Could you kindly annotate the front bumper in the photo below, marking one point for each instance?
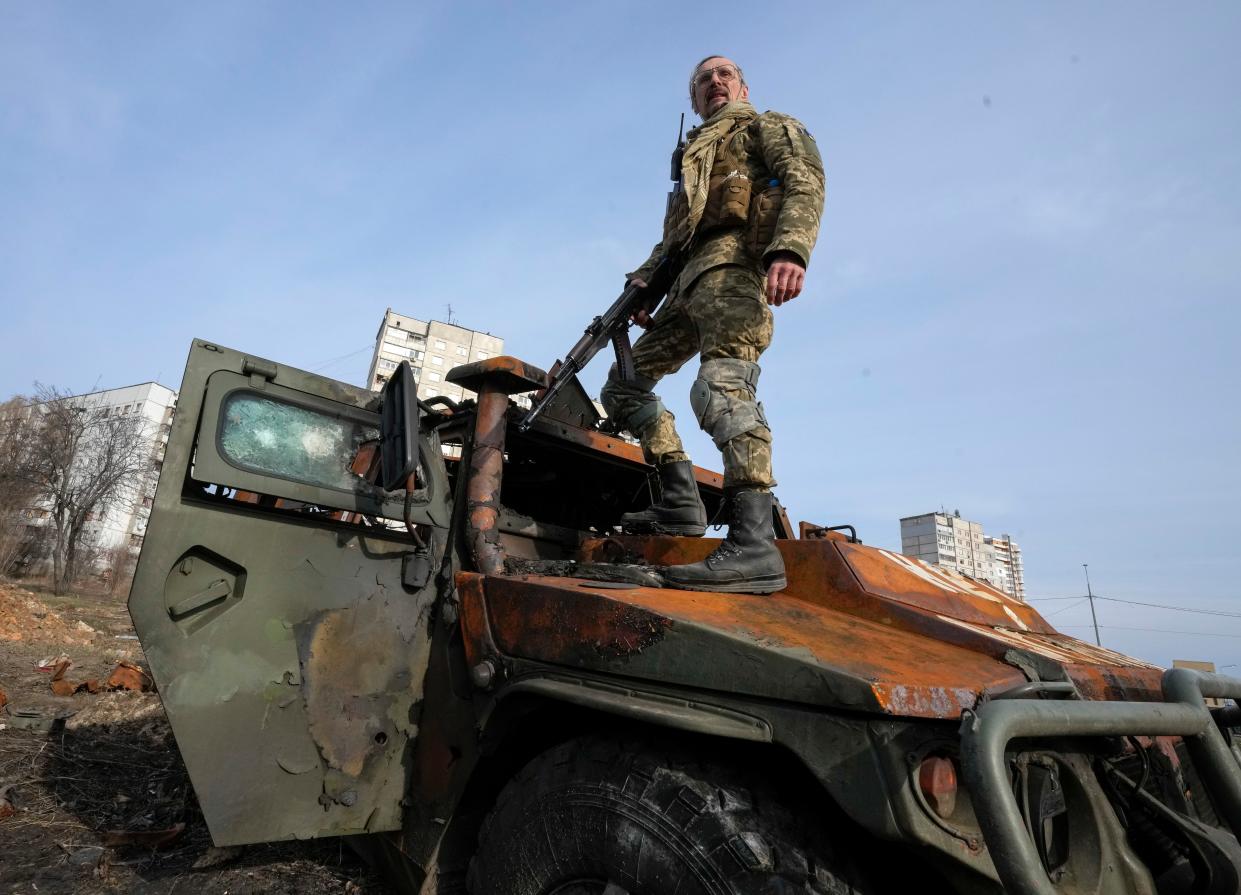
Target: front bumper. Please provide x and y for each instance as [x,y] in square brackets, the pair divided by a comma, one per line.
[987,731]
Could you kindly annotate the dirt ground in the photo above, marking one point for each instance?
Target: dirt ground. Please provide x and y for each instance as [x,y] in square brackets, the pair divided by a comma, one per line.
[101,802]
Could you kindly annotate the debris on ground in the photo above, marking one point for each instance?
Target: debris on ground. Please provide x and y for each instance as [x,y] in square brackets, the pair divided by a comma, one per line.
[129,676]
[126,676]
[94,797]
[88,854]
[215,857]
[23,616]
[151,839]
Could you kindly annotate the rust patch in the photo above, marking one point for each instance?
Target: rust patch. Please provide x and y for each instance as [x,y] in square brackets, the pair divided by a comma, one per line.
[504,373]
[776,646]
[926,702]
[128,676]
[632,631]
[944,615]
[63,688]
[151,839]
[615,447]
[475,629]
[486,472]
[579,626]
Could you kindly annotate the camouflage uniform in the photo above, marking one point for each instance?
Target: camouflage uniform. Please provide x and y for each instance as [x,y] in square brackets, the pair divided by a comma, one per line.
[756,192]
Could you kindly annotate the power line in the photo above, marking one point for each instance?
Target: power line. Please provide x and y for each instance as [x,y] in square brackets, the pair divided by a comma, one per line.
[1191,609]
[1159,631]
[1066,608]
[336,360]
[1219,612]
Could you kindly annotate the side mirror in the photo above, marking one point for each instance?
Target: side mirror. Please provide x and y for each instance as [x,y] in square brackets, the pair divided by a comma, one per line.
[398,429]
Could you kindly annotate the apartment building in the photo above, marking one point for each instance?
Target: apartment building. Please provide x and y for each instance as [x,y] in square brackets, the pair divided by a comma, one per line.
[947,540]
[432,349]
[1009,570]
[123,522]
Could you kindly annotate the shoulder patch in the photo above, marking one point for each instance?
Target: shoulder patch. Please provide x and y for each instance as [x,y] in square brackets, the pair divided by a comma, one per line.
[802,141]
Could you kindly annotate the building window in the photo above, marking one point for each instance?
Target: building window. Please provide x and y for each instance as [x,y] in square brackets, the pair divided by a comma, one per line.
[461,351]
[437,361]
[431,393]
[439,343]
[434,377]
[483,355]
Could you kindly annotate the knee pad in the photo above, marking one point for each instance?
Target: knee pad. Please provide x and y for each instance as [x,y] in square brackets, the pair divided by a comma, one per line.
[722,413]
[631,403]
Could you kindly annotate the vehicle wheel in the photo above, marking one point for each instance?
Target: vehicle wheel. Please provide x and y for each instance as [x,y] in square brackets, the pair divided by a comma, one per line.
[598,817]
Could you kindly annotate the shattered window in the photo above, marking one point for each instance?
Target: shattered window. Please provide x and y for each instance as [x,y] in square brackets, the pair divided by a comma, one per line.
[266,436]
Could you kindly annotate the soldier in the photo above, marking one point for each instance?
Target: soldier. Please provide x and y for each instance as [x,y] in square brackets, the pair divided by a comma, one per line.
[745,221]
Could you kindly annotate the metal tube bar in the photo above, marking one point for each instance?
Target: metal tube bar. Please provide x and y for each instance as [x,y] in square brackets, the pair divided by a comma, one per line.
[486,472]
[985,735]
[1214,760]
[1033,689]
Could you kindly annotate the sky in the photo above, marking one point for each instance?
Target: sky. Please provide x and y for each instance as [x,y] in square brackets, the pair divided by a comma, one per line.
[1023,304]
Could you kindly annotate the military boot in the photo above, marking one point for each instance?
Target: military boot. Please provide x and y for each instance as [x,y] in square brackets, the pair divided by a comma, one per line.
[746,562]
[679,510]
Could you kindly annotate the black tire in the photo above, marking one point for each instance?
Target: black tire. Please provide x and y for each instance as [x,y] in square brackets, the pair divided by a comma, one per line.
[596,816]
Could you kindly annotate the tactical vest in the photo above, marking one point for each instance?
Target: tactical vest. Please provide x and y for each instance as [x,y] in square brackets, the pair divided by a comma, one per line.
[733,201]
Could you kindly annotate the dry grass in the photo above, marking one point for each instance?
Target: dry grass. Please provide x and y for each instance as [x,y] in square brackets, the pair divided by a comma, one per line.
[86,795]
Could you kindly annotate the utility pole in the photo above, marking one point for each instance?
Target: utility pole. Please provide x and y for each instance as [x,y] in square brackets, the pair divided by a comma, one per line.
[1090,596]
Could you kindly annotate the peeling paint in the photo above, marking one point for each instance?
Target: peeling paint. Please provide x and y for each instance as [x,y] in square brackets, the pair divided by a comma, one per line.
[943,702]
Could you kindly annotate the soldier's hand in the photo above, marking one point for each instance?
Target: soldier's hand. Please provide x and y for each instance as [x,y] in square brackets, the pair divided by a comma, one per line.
[640,317]
[785,277]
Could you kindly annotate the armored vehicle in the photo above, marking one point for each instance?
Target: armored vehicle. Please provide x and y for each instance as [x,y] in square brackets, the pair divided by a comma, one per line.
[416,625]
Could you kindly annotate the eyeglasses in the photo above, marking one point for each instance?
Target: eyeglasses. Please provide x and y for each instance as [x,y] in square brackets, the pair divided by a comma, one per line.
[726,73]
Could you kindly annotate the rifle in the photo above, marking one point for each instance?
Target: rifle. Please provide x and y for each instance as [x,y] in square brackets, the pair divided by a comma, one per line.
[613,325]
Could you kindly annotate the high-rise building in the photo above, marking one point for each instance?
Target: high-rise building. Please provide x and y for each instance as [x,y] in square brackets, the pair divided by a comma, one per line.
[945,539]
[432,349]
[1010,573]
[126,521]
[121,524]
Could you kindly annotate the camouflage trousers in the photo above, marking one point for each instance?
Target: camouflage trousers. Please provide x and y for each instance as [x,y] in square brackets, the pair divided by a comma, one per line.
[722,317]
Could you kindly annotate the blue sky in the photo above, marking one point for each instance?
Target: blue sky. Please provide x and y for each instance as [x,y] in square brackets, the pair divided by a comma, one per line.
[1024,303]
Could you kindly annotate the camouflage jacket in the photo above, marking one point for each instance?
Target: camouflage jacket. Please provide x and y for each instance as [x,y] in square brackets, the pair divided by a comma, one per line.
[785,173]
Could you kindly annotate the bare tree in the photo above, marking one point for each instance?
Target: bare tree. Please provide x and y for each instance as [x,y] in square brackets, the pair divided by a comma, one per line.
[83,461]
[16,492]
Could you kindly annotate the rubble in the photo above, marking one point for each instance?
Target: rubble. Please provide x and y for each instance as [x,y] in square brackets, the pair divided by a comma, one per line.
[24,617]
[126,676]
[129,676]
